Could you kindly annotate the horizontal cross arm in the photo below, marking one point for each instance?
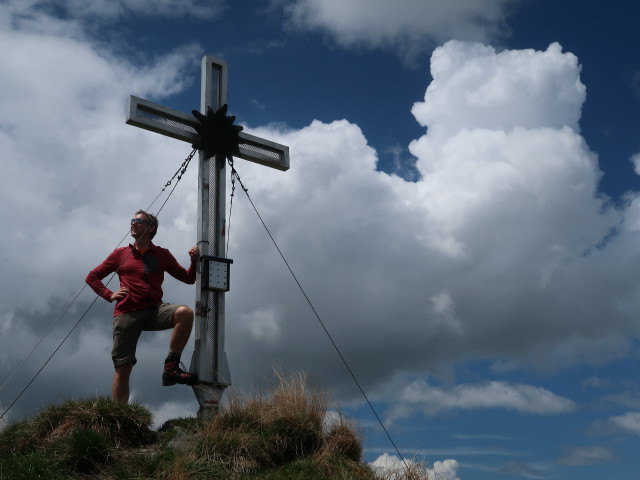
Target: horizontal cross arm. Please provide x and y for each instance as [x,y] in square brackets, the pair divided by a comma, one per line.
[181,126]
[161,119]
[264,152]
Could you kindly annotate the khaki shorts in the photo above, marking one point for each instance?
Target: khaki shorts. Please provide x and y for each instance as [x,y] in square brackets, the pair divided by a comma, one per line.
[128,327]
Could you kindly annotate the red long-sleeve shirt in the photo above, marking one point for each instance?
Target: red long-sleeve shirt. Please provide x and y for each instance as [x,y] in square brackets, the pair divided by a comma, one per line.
[142,274]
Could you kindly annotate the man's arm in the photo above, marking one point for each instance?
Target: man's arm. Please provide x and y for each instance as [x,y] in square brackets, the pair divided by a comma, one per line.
[95,276]
[178,272]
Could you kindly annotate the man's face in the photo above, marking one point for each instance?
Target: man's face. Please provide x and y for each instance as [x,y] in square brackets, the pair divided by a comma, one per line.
[140,226]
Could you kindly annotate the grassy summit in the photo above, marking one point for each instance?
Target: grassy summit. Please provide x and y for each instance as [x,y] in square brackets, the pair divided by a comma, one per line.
[277,436]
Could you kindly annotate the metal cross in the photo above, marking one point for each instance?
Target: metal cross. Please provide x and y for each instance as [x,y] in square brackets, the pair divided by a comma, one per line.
[209,359]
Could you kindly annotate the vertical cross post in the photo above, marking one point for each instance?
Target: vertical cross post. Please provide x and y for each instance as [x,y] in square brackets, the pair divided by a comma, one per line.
[209,358]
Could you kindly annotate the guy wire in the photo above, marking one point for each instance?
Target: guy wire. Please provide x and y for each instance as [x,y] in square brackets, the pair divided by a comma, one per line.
[335,346]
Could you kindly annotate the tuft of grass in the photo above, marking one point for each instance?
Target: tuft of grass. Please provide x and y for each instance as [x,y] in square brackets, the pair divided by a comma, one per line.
[78,437]
[85,451]
[123,424]
[254,433]
[31,466]
[342,440]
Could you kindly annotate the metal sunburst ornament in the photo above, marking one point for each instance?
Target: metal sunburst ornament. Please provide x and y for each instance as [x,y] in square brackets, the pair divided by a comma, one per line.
[217,135]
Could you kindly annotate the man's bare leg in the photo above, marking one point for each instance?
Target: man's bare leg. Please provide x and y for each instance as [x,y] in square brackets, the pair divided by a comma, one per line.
[182,325]
[120,386]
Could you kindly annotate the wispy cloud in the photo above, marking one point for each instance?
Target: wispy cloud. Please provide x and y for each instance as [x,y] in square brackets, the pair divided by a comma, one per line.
[464,451]
[113,9]
[257,104]
[419,396]
[628,423]
[259,47]
[595,382]
[486,436]
[522,470]
[629,399]
[589,455]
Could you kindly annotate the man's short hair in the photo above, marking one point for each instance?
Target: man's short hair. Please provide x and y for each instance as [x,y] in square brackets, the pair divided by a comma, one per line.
[153,220]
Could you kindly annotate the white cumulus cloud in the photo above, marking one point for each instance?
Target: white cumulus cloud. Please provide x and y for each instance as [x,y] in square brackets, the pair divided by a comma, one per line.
[444,470]
[393,467]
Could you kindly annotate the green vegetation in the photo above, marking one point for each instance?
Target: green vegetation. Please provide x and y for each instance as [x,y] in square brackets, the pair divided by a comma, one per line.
[262,437]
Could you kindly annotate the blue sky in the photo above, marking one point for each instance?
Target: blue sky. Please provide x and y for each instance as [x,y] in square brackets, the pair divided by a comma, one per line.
[462,208]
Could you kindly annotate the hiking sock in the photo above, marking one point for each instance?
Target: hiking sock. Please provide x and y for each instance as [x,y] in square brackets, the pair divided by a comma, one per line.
[173,357]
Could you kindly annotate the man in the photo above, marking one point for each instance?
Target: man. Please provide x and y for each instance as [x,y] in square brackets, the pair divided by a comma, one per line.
[139,306]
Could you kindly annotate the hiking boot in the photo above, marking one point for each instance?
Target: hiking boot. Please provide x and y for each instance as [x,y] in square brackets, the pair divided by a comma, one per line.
[174,374]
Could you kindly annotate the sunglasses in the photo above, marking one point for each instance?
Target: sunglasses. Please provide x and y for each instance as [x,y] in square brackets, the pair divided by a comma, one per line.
[138,221]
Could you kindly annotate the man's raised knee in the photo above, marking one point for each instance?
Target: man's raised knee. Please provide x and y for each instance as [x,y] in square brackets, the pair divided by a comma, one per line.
[183,314]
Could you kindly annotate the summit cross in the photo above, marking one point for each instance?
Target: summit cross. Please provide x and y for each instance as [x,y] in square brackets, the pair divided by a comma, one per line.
[209,359]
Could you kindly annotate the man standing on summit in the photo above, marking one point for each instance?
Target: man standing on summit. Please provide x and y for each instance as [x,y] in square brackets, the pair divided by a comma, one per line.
[139,306]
